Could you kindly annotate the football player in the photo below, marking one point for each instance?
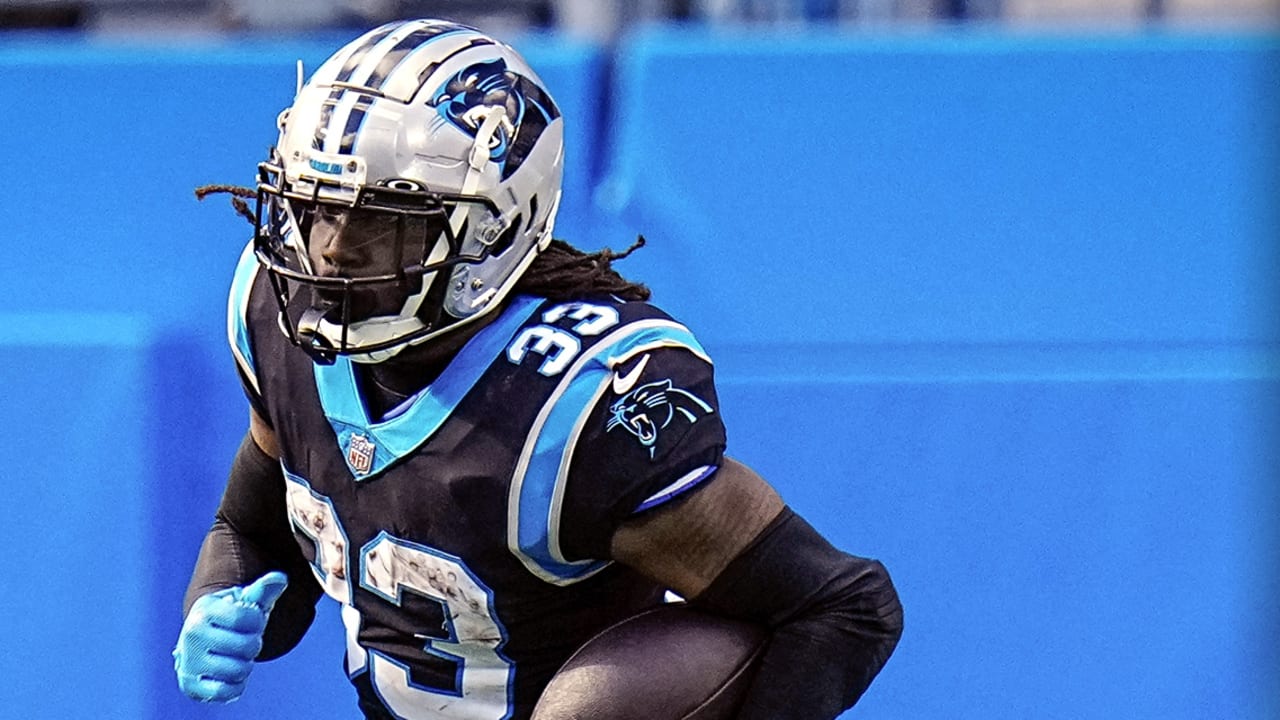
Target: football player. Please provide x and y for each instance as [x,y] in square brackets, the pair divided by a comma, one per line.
[484,443]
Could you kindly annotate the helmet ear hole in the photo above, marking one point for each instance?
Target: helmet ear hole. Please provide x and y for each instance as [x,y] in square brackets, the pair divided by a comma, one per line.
[506,239]
[533,212]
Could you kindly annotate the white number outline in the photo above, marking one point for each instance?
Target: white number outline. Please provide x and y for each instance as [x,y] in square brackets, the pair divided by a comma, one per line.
[559,347]
[390,567]
[595,319]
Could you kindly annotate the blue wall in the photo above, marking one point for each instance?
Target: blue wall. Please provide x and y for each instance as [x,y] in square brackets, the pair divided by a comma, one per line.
[998,309]
[965,187]
[76,520]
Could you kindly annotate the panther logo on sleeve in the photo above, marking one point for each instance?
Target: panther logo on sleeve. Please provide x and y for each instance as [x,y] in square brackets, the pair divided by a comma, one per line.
[648,409]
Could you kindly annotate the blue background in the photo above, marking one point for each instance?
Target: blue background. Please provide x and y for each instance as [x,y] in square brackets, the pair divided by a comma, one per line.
[996,308]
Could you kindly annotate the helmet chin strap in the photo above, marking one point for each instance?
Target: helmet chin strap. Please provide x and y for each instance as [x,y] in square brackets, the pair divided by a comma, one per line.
[380,329]
[369,332]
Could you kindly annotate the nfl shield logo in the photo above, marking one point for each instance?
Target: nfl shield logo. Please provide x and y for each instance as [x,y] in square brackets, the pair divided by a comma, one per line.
[360,454]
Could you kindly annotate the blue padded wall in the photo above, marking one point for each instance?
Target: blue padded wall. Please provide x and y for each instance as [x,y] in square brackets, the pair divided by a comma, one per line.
[966,187]
[1064,547]
[76,516]
[998,309]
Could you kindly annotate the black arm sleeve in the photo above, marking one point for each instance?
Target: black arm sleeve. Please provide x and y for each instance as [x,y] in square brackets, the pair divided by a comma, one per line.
[835,619]
[250,537]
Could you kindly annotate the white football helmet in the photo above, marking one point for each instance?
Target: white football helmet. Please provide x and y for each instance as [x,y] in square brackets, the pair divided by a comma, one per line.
[446,140]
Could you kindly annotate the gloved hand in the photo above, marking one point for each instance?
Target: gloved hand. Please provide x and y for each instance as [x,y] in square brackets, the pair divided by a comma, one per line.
[221,637]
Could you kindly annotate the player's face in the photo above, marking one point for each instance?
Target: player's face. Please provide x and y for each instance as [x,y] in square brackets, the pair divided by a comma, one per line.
[357,243]
[352,243]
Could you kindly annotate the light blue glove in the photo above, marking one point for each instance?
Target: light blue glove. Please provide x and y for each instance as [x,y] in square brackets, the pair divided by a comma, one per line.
[221,637]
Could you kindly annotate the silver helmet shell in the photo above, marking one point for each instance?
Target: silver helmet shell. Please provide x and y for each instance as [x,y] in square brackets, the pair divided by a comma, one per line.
[414,118]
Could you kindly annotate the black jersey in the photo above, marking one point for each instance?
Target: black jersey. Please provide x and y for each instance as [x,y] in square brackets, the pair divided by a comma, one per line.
[466,533]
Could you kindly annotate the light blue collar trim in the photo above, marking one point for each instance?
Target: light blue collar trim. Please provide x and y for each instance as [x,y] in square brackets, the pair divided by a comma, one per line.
[369,447]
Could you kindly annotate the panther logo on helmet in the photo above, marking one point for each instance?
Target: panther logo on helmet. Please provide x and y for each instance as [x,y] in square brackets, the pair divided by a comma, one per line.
[466,99]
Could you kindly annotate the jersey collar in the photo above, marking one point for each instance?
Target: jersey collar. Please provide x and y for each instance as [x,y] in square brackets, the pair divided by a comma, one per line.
[370,447]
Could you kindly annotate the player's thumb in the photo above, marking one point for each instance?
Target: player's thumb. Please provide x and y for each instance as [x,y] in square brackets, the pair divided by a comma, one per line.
[265,591]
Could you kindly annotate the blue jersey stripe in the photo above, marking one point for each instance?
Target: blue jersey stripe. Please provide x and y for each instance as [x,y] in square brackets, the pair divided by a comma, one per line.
[400,435]
[541,478]
[542,490]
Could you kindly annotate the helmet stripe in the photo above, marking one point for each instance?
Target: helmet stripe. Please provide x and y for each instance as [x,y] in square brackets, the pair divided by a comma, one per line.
[411,42]
[354,121]
[358,54]
[344,75]
[386,66]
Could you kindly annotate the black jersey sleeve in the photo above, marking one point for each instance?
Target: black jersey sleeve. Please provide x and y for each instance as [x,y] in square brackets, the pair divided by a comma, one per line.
[654,433]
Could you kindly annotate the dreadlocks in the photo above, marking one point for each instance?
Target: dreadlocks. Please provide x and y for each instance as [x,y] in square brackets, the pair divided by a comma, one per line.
[238,194]
[561,272]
